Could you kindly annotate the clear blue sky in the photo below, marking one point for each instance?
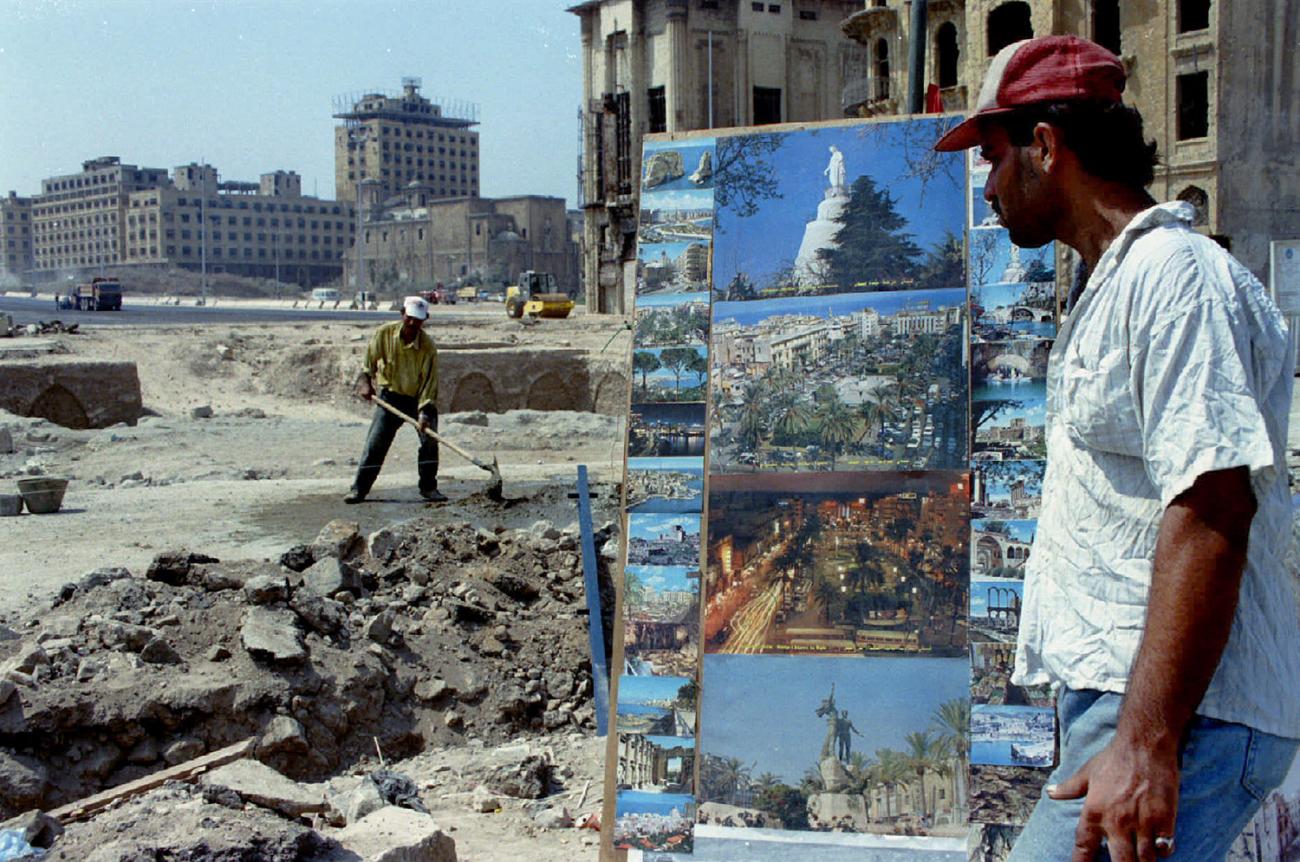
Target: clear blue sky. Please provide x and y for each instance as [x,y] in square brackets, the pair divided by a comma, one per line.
[249,85]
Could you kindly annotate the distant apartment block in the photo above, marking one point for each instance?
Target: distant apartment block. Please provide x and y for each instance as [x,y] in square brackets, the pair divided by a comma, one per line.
[15,236]
[398,139]
[120,215]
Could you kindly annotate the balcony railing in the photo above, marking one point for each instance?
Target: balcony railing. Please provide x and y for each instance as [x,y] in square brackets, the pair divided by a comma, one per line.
[865,91]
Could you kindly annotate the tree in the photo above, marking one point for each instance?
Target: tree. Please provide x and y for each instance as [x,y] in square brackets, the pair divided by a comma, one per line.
[836,425]
[983,250]
[743,175]
[785,803]
[732,775]
[789,415]
[892,771]
[982,412]
[944,265]
[634,589]
[677,360]
[922,748]
[872,244]
[645,363]
[826,594]
[953,720]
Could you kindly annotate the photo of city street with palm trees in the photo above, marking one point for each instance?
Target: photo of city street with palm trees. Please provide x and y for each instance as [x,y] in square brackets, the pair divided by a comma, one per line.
[860,381]
[838,564]
[878,746]
[681,318]
[674,374]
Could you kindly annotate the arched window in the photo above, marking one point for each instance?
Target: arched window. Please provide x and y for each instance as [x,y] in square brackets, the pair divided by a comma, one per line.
[1196,196]
[881,59]
[1009,23]
[945,44]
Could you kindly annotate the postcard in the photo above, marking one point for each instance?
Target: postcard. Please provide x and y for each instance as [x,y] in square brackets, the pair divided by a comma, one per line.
[661,620]
[666,430]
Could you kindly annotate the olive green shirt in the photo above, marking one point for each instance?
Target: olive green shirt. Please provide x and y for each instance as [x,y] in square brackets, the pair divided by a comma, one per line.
[407,369]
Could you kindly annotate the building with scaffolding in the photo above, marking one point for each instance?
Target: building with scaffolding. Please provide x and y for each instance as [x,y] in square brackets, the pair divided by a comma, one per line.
[399,138]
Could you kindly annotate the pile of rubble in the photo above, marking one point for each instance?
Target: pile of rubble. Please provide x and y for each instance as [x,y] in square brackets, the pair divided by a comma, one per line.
[419,637]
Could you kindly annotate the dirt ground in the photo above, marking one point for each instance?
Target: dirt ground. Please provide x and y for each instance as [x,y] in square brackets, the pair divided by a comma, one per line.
[265,472]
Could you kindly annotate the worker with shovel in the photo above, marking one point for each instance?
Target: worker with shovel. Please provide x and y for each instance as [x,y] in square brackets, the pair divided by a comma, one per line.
[402,358]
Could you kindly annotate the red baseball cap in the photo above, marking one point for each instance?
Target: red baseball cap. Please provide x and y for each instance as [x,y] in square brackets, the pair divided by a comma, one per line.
[1039,71]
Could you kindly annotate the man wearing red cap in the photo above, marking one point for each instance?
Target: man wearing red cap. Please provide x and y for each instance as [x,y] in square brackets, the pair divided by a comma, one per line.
[1156,595]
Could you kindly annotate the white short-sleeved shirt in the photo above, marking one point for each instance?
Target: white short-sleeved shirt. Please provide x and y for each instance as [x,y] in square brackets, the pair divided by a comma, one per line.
[1174,363]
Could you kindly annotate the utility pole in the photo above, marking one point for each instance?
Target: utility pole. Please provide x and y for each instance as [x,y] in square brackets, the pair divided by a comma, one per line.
[916,59]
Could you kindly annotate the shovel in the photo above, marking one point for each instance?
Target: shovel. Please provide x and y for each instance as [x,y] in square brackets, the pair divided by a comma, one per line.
[493,488]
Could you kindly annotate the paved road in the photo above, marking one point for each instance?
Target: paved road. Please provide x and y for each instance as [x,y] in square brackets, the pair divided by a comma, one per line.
[25,310]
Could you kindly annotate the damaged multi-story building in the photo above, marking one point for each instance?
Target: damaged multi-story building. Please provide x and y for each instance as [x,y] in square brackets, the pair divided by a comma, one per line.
[676,65]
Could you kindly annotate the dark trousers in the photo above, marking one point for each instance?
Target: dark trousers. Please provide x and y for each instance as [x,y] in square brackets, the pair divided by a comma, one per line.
[383,427]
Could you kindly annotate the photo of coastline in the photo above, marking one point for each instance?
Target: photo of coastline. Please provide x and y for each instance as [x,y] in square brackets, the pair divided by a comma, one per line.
[675,165]
[656,705]
[661,620]
[654,821]
[853,381]
[878,745]
[835,564]
[1002,735]
[669,374]
[665,484]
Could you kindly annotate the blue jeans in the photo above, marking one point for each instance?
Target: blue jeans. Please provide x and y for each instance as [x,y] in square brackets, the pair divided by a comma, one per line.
[1227,770]
[383,428]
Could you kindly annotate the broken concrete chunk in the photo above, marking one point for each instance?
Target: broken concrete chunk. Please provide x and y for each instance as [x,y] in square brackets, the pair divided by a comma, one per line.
[183,749]
[29,657]
[38,828]
[159,651]
[484,801]
[384,542]
[329,577]
[272,635]
[261,785]
[380,629]
[553,818]
[298,558]
[23,781]
[341,539]
[394,834]
[323,616]
[283,735]
[174,567]
[102,577]
[217,653]
[7,690]
[266,589]
[428,690]
[528,779]
[203,411]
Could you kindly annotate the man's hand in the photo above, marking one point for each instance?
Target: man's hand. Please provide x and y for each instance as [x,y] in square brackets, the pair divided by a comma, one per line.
[425,425]
[1130,797]
[365,389]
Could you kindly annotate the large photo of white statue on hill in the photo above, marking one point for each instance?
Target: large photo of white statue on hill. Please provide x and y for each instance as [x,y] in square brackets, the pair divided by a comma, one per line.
[875,746]
[838,210]
[838,564]
[851,381]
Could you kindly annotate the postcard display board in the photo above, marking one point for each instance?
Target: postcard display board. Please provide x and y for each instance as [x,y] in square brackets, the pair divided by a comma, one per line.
[816,631]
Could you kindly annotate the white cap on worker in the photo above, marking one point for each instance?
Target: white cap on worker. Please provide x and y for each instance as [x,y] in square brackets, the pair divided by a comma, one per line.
[414,306]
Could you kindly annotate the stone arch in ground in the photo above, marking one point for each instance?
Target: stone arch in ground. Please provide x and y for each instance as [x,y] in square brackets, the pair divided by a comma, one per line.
[549,392]
[60,406]
[474,391]
[611,395]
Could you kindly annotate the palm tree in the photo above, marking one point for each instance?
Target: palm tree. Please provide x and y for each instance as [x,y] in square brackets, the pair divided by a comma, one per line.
[953,719]
[921,750]
[871,413]
[789,414]
[634,589]
[732,773]
[826,594]
[891,773]
[836,425]
[766,782]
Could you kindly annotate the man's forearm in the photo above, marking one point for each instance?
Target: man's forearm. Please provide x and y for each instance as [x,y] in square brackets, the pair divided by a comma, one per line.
[1199,559]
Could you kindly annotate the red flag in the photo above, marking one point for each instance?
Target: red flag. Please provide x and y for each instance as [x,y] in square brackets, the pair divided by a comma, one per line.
[933,101]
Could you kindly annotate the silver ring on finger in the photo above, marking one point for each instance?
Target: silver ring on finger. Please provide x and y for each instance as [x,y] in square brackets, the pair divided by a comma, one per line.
[1164,843]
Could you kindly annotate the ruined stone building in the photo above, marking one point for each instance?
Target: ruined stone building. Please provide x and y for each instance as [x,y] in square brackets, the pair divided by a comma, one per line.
[647,69]
[677,65]
[15,237]
[400,138]
[1226,121]
[116,215]
[415,240]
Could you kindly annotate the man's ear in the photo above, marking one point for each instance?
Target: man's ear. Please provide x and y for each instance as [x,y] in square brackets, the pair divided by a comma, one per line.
[1045,148]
